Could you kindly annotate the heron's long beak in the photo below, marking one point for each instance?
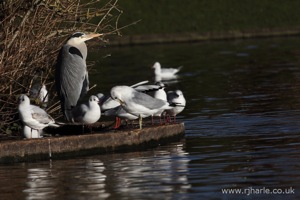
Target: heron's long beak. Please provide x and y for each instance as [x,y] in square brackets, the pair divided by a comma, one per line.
[91,36]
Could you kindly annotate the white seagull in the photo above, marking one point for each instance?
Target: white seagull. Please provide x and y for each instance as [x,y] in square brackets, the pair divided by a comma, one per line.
[164,73]
[107,103]
[110,107]
[136,103]
[88,113]
[33,116]
[177,98]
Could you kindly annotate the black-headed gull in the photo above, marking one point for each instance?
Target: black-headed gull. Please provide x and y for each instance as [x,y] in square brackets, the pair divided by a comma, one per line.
[87,113]
[137,103]
[110,107]
[164,73]
[177,98]
[34,116]
[108,103]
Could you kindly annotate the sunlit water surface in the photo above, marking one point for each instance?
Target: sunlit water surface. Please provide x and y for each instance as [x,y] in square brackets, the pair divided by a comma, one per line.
[242,128]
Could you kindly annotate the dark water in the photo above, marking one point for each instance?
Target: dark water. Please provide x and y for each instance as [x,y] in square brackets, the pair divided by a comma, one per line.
[242,129]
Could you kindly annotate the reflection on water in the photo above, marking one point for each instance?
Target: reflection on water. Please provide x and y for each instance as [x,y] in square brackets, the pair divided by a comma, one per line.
[242,128]
[129,175]
[162,172]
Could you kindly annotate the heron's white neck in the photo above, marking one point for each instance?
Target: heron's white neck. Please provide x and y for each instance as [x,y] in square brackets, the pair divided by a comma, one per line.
[80,45]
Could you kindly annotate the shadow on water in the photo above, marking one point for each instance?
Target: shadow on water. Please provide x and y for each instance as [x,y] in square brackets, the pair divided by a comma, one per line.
[242,128]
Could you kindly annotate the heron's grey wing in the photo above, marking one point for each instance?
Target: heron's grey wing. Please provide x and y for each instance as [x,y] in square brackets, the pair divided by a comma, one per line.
[40,115]
[85,86]
[79,111]
[70,75]
[147,101]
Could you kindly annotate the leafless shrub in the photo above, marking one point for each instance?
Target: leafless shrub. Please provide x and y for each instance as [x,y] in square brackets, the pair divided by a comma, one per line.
[32,32]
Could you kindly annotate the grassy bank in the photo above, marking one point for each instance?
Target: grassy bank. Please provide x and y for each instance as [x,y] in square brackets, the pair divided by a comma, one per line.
[203,17]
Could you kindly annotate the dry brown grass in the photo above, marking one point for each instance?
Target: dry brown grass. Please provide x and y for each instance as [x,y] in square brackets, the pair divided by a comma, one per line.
[32,32]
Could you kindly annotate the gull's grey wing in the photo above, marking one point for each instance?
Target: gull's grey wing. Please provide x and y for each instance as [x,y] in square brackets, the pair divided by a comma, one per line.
[171,70]
[147,88]
[40,115]
[70,77]
[108,104]
[147,101]
[139,83]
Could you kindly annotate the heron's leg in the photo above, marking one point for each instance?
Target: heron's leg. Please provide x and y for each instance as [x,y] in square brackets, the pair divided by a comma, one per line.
[140,121]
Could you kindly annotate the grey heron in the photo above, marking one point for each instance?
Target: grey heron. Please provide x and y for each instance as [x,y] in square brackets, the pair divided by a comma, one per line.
[72,81]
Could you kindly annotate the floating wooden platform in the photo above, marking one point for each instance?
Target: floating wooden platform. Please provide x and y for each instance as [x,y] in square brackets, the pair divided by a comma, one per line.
[98,142]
